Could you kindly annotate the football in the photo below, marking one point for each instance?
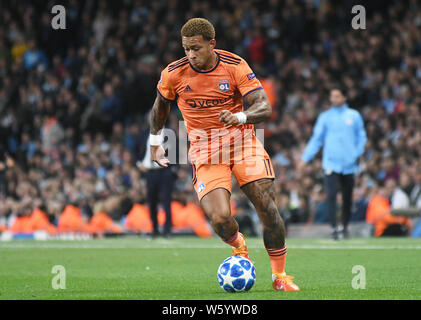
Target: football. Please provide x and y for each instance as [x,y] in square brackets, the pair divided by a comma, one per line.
[236,274]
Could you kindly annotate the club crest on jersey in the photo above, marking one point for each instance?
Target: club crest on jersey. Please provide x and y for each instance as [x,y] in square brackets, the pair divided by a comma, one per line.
[224,85]
[201,187]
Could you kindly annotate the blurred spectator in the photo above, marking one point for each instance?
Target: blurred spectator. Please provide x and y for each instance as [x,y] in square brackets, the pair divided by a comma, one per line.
[111,105]
[415,195]
[159,184]
[34,57]
[320,201]
[378,211]
[360,204]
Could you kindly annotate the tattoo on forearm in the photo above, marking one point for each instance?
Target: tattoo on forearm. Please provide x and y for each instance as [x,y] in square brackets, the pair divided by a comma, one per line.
[259,107]
[159,114]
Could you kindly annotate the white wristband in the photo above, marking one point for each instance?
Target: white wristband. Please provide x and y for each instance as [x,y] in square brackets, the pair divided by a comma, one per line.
[155,139]
[241,116]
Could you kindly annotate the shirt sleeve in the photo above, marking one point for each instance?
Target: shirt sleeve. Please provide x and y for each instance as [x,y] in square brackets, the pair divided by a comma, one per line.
[165,87]
[361,135]
[316,140]
[246,79]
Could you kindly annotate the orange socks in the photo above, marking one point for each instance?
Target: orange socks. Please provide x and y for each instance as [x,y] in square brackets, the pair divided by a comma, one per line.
[277,256]
[236,241]
[277,259]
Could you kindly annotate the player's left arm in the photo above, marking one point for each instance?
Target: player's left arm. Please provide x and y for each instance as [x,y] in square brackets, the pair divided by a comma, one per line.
[259,109]
[360,134]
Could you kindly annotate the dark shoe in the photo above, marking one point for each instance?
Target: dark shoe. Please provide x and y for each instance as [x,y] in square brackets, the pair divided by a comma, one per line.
[155,234]
[345,234]
[335,235]
[167,235]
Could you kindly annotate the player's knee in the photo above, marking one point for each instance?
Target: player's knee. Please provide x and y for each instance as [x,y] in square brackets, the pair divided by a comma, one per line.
[217,212]
[221,219]
[270,216]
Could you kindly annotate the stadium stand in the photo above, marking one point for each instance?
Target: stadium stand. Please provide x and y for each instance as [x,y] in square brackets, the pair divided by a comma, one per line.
[74,102]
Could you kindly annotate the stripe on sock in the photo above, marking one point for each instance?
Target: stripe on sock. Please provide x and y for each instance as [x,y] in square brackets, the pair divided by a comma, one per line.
[283,248]
[277,252]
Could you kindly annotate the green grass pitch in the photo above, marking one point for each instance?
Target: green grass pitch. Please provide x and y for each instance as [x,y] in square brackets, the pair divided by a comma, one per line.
[185,268]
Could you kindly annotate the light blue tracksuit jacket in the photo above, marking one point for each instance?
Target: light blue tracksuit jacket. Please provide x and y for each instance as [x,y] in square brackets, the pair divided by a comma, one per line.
[340,130]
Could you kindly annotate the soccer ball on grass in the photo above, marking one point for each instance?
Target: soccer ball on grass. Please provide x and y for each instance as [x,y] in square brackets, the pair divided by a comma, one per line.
[236,274]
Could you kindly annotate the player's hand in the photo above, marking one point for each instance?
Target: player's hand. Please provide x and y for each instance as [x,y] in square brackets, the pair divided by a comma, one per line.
[228,118]
[158,155]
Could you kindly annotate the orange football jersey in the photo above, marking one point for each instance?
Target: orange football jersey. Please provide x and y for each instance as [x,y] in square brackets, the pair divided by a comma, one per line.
[202,95]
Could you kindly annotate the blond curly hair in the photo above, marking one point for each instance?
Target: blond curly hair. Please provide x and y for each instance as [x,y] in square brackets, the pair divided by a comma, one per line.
[197,27]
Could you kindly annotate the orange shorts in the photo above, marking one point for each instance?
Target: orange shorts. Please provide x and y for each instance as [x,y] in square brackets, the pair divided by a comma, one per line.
[255,164]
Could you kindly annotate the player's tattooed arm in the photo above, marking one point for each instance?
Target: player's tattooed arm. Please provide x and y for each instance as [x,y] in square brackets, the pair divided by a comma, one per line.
[259,109]
[159,114]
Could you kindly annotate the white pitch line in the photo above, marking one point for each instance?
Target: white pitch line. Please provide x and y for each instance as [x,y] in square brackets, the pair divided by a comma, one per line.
[359,247]
[192,246]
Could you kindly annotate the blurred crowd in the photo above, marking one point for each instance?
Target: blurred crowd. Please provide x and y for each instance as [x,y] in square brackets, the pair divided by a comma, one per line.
[74,102]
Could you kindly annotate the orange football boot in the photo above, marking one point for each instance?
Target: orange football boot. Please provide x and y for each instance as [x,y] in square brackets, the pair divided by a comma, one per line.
[282,282]
[241,251]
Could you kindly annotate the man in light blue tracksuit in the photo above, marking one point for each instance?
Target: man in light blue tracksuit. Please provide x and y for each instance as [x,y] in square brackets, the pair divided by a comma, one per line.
[340,130]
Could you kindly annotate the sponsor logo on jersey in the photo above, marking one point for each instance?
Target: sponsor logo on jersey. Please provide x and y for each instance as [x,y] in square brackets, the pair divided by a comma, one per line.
[207,103]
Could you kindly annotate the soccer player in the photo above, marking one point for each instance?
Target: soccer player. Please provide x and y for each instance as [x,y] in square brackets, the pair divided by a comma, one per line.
[210,86]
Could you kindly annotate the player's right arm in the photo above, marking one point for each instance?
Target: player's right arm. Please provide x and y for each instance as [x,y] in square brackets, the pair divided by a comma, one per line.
[254,96]
[159,114]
